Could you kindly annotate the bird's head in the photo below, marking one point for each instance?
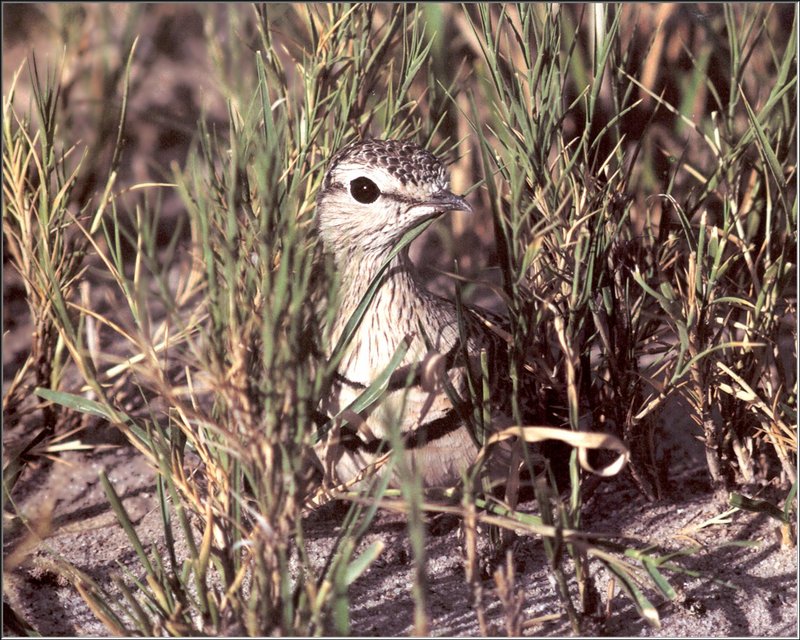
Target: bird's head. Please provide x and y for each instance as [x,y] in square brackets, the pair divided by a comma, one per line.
[376,190]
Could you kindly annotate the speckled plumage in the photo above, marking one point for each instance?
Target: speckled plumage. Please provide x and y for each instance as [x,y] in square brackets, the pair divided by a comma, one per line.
[412,185]
[404,159]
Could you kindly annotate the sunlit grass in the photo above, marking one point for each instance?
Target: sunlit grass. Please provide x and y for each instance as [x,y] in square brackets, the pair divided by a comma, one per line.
[645,241]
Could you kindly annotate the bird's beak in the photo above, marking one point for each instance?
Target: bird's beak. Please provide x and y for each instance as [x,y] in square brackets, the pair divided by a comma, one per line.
[445,201]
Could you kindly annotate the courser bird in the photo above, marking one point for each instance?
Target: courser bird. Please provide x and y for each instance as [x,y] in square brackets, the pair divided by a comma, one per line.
[373,192]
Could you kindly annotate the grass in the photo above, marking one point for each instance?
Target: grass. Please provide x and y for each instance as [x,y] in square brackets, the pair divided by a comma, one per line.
[640,177]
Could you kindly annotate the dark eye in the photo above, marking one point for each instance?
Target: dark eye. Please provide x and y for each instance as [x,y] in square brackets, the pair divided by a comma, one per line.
[364,190]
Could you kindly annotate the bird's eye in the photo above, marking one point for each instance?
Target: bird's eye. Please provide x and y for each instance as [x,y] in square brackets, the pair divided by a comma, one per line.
[364,190]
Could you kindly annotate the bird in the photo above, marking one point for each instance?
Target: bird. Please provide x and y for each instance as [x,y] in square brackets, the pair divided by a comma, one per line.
[373,192]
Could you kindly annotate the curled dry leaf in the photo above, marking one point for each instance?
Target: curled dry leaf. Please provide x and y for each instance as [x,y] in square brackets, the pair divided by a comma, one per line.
[583,441]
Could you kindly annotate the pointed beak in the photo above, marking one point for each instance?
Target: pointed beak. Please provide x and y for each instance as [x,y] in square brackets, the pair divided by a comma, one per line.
[445,201]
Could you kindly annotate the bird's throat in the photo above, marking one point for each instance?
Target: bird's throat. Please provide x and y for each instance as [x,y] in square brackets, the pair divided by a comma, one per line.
[389,318]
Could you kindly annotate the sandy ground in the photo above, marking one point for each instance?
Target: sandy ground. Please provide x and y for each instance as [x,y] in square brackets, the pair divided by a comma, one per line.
[761,599]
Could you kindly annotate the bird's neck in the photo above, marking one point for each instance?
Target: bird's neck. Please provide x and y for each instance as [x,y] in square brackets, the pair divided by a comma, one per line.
[393,310]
